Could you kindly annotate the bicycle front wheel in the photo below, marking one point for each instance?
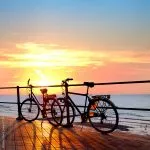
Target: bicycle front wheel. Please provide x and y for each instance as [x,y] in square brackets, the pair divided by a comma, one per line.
[103,115]
[29,109]
[72,113]
[54,113]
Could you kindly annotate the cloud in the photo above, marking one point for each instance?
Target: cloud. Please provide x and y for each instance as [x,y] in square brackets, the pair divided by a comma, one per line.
[49,55]
[3,57]
[53,55]
[131,57]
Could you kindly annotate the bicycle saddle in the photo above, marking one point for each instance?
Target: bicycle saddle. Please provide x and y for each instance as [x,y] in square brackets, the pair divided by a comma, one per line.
[89,84]
[43,91]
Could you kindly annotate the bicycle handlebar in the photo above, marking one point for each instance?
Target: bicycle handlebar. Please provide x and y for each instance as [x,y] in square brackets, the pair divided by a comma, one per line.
[69,79]
[28,82]
[66,80]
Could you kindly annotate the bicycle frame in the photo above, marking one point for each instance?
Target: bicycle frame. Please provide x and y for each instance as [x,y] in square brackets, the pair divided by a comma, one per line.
[68,98]
[32,96]
[75,106]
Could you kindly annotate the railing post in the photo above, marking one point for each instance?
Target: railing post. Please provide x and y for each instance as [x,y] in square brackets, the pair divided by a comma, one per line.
[18,102]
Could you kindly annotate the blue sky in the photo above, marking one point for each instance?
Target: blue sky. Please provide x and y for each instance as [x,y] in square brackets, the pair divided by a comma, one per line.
[98,22]
[106,39]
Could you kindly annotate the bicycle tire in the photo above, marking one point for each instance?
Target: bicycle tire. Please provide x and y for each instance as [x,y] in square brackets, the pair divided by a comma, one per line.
[29,110]
[99,115]
[54,113]
[64,113]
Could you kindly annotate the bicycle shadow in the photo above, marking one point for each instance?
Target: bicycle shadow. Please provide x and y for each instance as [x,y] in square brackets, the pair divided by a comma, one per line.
[38,135]
[57,139]
[76,137]
[67,138]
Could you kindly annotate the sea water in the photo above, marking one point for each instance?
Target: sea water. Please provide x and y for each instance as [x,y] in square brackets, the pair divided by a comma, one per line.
[129,120]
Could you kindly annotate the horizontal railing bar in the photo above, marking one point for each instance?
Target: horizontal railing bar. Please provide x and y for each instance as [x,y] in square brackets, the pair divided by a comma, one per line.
[133,119]
[104,83]
[123,82]
[125,108]
[36,86]
[8,103]
[13,87]
[29,87]
[109,83]
[134,122]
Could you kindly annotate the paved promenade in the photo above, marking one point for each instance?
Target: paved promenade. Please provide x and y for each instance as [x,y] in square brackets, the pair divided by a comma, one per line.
[21,135]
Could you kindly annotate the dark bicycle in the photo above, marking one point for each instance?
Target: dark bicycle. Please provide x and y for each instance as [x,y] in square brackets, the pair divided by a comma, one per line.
[98,109]
[50,108]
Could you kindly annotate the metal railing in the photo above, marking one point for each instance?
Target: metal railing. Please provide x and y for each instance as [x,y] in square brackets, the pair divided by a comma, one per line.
[96,84]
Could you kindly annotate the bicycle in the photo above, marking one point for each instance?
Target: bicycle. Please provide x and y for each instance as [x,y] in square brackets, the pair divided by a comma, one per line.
[50,108]
[100,110]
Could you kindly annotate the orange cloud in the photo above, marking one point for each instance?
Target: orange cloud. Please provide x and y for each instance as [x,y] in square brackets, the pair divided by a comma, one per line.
[53,55]
[50,63]
[38,55]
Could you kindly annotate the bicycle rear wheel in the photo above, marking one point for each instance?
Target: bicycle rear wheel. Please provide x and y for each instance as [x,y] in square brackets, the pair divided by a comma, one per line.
[103,115]
[54,113]
[29,109]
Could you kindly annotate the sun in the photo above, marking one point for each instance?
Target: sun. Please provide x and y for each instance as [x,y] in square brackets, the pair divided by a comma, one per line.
[47,78]
[43,79]
[43,82]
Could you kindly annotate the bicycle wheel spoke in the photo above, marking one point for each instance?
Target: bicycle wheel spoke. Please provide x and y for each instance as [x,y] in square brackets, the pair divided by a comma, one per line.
[64,113]
[29,110]
[54,113]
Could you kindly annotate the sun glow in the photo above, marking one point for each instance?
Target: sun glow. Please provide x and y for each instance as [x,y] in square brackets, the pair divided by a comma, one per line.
[43,80]
[48,64]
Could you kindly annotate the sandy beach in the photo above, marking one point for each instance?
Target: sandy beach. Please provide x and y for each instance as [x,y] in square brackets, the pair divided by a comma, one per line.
[41,135]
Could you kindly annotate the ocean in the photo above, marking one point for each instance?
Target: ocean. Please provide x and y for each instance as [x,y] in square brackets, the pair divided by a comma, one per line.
[134,121]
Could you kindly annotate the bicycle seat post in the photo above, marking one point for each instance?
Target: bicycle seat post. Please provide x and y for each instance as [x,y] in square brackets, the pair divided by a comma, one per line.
[89,85]
[87,92]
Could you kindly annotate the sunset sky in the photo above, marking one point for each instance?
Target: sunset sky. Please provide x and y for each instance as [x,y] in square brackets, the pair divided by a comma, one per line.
[88,40]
